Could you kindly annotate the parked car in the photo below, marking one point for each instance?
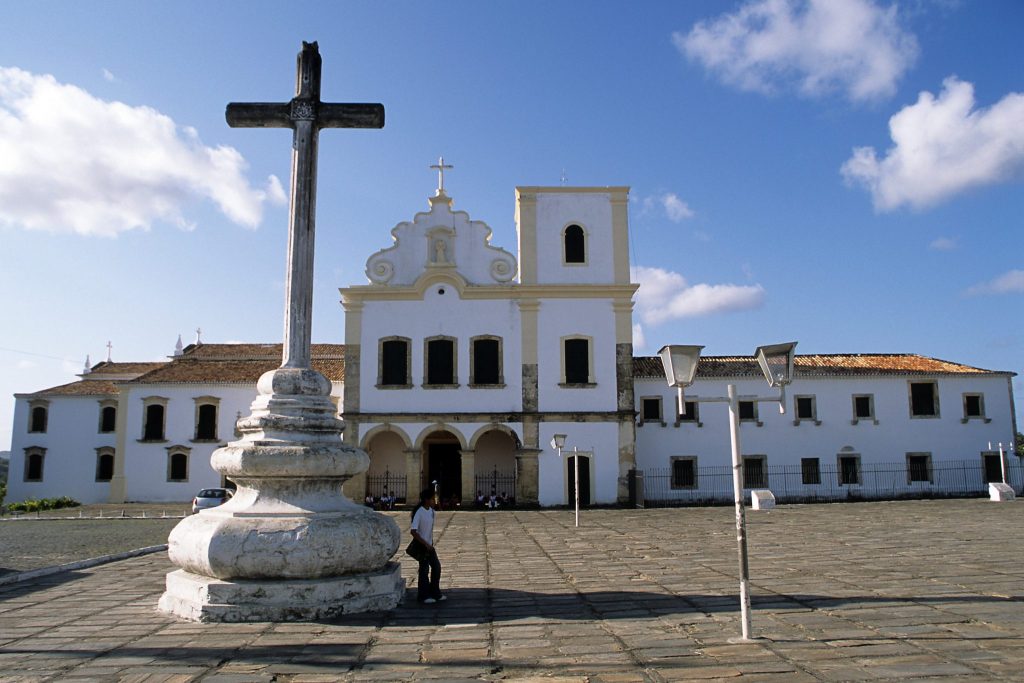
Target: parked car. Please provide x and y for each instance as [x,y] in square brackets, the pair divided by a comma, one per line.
[210,498]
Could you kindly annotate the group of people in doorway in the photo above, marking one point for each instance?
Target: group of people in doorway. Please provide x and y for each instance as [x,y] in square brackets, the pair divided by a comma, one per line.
[385,502]
[493,501]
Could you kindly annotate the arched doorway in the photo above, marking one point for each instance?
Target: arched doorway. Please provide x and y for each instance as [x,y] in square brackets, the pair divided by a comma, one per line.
[495,467]
[442,451]
[386,475]
[570,463]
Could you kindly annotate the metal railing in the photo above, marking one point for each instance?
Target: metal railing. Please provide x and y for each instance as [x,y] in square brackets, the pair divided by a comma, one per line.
[500,482]
[797,484]
[388,482]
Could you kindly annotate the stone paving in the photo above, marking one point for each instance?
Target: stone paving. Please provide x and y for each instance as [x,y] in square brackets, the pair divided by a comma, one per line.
[898,590]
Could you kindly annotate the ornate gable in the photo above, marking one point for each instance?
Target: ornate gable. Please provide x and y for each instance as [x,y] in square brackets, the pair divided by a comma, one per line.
[441,241]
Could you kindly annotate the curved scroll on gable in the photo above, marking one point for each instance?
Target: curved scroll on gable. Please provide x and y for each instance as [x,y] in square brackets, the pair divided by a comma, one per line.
[441,239]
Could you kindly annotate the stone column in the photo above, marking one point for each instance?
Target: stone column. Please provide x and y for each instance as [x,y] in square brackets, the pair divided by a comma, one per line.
[468,477]
[528,476]
[413,475]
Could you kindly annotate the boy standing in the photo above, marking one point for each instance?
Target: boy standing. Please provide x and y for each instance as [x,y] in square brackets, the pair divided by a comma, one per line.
[429,591]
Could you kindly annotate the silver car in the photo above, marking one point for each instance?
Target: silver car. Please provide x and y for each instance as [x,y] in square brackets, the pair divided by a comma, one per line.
[210,498]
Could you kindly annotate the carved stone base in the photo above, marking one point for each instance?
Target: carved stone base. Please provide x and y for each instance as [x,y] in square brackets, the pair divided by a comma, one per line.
[204,599]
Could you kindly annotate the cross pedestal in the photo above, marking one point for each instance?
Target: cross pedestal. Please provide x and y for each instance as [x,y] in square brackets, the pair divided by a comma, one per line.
[289,546]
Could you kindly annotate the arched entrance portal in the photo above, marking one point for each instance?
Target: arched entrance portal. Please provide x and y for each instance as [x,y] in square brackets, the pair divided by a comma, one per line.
[386,474]
[444,466]
[495,467]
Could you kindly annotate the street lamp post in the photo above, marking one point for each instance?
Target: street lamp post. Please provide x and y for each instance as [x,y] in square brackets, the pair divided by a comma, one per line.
[558,443]
[776,361]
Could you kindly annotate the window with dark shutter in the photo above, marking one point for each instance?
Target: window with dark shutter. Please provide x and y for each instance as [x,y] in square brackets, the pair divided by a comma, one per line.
[575,245]
[486,361]
[441,361]
[154,429]
[206,426]
[577,361]
[394,363]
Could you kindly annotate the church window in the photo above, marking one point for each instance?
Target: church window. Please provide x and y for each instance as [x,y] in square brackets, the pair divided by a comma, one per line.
[806,408]
[974,406]
[393,366]
[177,464]
[485,361]
[576,361]
[34,457]
[919,467]
[154,418]
[108,417]
[104,464]
[748,411]
[755,471]
[38,416]
[575,244]
[206,421]
[440,362]
[810,471]
[690,412]
[863,407]
[684,472]
[650,407]
[848,469]
[924,399]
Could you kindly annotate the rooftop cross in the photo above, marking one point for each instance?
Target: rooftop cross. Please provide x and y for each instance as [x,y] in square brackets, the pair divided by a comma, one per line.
[440,166]
[110,348]
[305,114]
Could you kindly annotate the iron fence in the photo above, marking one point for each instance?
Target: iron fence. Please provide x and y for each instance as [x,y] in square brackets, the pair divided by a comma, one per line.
[828,482]
[499,482]
[389,482]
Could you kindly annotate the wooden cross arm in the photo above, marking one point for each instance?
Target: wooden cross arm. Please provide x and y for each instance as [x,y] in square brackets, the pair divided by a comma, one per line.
[278,115]
[350,115]
[259,115]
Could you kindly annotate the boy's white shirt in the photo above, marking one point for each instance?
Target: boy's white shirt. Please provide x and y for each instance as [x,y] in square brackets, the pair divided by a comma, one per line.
[423,523]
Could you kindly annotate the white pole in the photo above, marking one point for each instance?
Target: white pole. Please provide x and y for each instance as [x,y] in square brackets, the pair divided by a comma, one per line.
[576,473]
[741,518]
[1002,463]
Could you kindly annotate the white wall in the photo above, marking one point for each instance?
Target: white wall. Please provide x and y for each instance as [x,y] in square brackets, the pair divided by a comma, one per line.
[591,211]
[947,438]
[559,318]
[71,439]
[599,437]
[447,315]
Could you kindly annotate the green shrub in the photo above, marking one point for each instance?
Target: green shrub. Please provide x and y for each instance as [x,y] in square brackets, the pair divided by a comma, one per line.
[34,505]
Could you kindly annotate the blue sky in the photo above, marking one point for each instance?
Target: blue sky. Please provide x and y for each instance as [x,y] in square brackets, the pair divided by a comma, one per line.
[770,198]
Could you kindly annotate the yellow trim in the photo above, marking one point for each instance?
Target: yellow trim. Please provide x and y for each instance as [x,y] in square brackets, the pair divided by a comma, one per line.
[562,189]
[526,232]
[620,234]
[623,321]
[118,491]
[359,294]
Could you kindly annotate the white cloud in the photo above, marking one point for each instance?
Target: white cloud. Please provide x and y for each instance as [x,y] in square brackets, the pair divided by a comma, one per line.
[666,295]
[942,146]
[108,75]
[819,46]
[943,244]
[1010,282]
[639,340]
[70,162]
[675,208]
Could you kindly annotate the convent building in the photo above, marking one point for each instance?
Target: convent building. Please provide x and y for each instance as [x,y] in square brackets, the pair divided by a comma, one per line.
[462,360]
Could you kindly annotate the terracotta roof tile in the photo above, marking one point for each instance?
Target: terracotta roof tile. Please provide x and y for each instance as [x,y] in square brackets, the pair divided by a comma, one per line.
[818,365]
[112,368]
[239,364]
[90,387]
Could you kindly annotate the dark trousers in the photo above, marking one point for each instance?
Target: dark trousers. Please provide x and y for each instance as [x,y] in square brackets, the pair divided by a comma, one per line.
[429,588]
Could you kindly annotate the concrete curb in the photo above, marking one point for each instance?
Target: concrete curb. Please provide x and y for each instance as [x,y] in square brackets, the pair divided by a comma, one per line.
[80,564]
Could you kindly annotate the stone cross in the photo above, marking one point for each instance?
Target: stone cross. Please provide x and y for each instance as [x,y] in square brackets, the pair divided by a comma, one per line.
[440,166]
[305,114]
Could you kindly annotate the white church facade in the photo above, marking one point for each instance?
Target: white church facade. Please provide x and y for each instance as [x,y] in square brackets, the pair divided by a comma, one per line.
[461,360]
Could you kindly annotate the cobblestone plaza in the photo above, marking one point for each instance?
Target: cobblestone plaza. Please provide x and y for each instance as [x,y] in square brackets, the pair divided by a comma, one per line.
[893,590]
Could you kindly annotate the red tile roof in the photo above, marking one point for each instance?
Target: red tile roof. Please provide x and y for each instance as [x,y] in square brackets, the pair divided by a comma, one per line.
[239,364]
[818,365]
